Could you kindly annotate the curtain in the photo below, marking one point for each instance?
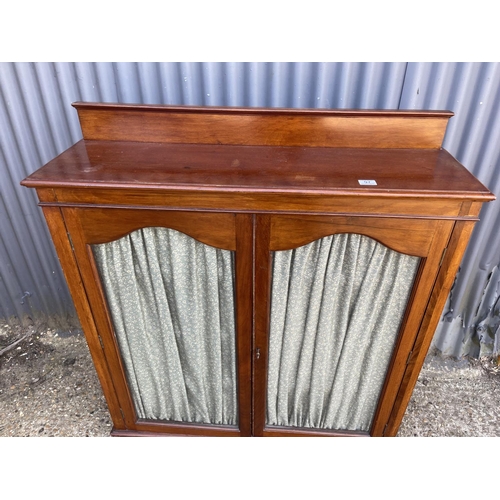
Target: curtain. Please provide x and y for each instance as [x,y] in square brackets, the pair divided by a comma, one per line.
[336,308]
[171,300]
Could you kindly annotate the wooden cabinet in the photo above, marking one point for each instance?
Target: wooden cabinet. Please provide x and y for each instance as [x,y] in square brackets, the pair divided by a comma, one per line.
[259,272]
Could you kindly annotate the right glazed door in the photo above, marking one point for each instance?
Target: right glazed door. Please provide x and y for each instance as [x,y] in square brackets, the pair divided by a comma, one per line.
[339,301]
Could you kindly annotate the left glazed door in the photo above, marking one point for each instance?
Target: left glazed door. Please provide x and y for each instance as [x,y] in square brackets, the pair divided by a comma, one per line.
[170,293]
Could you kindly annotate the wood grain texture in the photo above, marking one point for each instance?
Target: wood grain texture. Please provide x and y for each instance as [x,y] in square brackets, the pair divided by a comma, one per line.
[269,127]
[192,200]
[426,173]
[262,308]
[289,232]
[149,428]
[102,225]
[46,195]
[244,318]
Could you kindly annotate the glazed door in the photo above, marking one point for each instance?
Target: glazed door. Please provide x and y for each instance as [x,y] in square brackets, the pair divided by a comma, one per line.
[171,298]
[339,303]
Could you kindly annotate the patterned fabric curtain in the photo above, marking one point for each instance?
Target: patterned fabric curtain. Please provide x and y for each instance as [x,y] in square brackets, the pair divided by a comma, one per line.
[337,305]
[171,299]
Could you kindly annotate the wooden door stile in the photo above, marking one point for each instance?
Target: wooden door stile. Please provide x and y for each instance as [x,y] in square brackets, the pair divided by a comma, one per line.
[262,309]
[244,317]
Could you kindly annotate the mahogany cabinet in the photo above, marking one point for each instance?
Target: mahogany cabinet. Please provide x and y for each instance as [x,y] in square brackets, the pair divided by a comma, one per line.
[265,272]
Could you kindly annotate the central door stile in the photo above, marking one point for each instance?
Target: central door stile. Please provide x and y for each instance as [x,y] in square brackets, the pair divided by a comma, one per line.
[244,315]
[261,325]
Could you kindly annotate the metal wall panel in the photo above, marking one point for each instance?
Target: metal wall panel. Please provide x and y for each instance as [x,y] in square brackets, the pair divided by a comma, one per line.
[32,131]
[37,123]
[472,90]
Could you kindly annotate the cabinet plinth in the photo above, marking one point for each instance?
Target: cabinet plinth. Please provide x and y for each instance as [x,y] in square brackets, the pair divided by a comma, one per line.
[258,272]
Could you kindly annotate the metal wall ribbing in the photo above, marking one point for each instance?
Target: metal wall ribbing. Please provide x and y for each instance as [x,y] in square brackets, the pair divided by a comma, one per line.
[37,123]
[472,90]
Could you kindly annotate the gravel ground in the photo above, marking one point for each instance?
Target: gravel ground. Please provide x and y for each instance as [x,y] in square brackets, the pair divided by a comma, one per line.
[49,387]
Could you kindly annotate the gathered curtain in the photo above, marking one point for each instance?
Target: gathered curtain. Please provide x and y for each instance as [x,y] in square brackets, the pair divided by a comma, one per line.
[171,300]
[336,309]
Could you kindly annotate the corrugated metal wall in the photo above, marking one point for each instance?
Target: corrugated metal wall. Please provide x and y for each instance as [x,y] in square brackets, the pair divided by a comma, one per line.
[37,122]
[472,90]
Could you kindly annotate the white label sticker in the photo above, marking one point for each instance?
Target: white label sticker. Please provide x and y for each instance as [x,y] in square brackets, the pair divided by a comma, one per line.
[367,183]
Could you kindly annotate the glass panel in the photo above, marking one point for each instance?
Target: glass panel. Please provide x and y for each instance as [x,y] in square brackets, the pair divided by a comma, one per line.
[171,300]
[336,308]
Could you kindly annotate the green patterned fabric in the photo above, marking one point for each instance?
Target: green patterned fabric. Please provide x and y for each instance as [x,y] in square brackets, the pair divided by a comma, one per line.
[337,305]
[171,299]
[336,309]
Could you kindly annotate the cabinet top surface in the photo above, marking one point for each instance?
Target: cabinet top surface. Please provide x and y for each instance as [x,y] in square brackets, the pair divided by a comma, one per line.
[237,168]
[312,151]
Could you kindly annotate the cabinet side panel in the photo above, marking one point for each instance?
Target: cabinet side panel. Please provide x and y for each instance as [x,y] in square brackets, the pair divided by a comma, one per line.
[62,244]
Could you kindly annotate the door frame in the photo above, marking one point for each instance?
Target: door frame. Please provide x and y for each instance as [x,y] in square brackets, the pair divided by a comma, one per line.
[90,225]
[424,238]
